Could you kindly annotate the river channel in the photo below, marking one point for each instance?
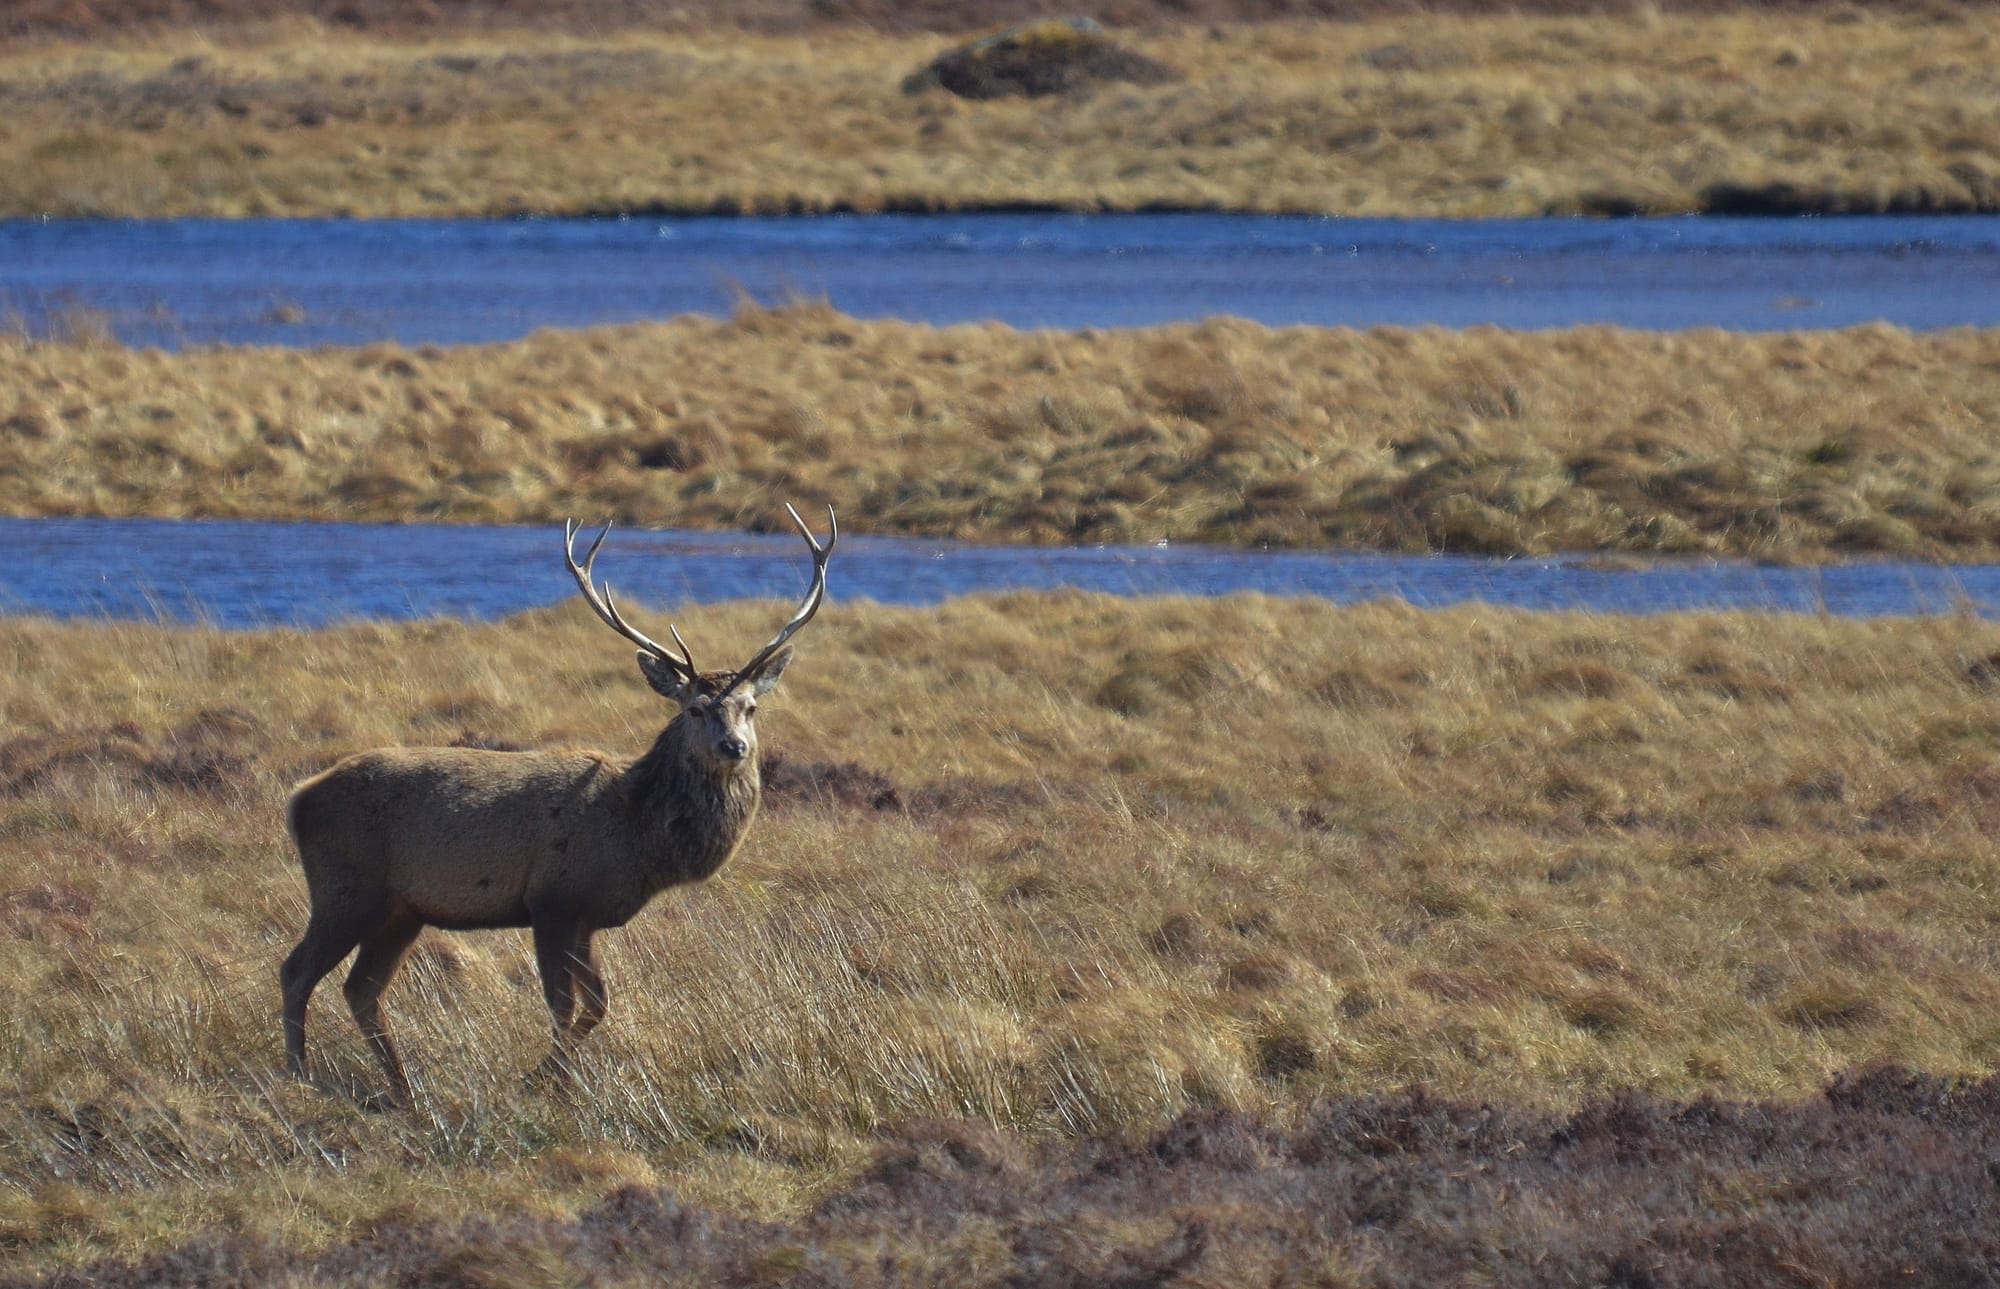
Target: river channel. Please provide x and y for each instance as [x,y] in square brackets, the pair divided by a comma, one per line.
[174,283]
[244,574]
[314,282]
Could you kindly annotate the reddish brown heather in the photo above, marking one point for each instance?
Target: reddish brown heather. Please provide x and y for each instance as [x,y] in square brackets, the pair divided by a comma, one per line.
[87,19]
[1888,1177]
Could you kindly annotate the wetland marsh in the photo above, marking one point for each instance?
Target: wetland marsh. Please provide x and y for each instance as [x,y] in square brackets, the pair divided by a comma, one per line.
[1283,941]
[1082,940]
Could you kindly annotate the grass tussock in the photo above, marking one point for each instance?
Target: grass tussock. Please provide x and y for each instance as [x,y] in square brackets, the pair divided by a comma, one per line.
[1478,114]
[1332,854]
[1869,441]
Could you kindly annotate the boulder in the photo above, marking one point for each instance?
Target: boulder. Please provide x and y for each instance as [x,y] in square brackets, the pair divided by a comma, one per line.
[1052,56]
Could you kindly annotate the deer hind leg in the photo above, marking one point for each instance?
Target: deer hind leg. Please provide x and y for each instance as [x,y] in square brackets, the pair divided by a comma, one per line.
[327,940]
[374,967]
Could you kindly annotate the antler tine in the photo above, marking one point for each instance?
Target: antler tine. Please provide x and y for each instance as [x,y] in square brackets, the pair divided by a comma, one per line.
[815,594]
[832,534]
[606,607]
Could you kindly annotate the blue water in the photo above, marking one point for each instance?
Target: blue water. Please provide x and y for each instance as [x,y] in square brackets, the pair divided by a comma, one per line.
[235,575]
[313,282]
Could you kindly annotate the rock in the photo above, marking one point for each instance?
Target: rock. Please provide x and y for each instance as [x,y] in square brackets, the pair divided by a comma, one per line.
[1034,59]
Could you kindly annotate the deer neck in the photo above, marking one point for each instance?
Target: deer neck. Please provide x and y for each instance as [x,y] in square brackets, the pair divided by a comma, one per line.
[688,815]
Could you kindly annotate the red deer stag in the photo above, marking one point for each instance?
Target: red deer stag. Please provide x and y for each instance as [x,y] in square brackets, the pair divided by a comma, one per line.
[566,843]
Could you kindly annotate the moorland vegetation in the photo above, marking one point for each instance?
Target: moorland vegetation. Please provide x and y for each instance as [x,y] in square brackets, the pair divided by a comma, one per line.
[1082,940]
[1809,445]
[341,109]
[1058,902]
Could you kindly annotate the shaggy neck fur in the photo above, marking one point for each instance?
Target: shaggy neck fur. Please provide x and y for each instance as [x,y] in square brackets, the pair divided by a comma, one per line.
[692,810]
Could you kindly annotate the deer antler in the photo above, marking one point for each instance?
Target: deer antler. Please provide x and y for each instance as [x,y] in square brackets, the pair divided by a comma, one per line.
[607,609]
[807,607]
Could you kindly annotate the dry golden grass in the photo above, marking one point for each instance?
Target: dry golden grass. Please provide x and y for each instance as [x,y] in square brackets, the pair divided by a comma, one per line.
[1140,857]
[1462,115]
[1871,440]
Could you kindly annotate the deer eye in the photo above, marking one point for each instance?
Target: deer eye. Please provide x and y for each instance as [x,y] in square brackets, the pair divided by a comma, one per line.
[749,710]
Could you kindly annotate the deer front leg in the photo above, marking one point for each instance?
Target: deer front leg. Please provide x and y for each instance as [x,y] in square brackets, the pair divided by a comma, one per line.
[592,998]
[562,955]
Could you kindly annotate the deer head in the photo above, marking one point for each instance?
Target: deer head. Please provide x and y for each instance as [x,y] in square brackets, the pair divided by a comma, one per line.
[719,705]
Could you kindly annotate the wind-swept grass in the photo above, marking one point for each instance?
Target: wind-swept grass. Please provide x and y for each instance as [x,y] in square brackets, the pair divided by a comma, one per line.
[1419,114]
[1811,445]
[1062,867]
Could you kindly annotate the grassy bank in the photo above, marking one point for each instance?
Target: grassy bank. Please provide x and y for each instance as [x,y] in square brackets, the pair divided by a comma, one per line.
[1056,867]
[1806,446]
[1462,115]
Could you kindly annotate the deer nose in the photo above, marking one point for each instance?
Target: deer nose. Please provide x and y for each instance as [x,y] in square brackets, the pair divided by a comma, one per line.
[733,749]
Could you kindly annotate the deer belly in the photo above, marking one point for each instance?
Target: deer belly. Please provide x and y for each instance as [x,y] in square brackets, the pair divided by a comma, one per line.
[464,888]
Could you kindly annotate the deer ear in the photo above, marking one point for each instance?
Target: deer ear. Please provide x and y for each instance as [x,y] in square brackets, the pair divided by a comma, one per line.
[766,678]
[665,679]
